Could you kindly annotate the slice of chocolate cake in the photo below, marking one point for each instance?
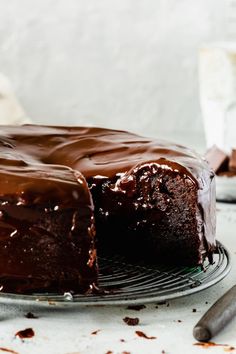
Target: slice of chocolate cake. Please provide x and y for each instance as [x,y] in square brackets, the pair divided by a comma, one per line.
[153,201]
[46,230]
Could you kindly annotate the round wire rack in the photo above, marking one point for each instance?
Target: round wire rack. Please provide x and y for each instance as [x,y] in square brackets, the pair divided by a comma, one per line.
[126,283]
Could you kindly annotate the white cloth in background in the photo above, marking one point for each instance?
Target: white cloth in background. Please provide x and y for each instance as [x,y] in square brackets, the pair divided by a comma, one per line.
[11,112]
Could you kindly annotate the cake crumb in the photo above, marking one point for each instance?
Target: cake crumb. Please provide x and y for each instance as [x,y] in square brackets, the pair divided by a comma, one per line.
[136,307]
[210,344]
[25,333]
[143,335]
[227,348]
[194,310]
[109,352]
[8,350]
[131,321]
[95,332]
[30,315]
[122,340]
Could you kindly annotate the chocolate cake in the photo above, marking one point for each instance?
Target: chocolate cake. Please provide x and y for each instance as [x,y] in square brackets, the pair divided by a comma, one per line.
[151,200]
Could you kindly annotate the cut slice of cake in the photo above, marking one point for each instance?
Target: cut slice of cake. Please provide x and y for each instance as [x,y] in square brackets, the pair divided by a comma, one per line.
[46,230]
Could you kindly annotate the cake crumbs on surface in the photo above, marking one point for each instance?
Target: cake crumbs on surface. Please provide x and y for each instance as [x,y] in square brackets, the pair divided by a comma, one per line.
[30,315]
[131,321]
[25,333]
[136,307]
[122,340]
[8,350]
[143,335]
[95,332]
[109,352]
[213,344]
[194,310]
[126,353]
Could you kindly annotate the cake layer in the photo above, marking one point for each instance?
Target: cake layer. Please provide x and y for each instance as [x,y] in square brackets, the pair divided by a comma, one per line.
[152,199]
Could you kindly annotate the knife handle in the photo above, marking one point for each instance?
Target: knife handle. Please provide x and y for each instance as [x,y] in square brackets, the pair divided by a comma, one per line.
[220,313]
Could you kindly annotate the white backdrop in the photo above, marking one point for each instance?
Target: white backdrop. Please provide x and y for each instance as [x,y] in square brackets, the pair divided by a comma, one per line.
[128,64]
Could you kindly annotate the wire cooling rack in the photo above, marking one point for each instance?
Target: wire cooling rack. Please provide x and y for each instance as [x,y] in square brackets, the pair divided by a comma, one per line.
[126,283]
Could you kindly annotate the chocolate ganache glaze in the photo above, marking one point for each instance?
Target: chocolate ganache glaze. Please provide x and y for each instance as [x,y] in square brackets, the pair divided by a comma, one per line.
[150,199]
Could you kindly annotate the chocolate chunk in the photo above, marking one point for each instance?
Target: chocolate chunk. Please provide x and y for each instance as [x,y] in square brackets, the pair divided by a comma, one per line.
[217,159]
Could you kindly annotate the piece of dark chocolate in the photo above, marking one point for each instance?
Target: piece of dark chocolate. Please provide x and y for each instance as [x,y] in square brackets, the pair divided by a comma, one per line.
[217,159]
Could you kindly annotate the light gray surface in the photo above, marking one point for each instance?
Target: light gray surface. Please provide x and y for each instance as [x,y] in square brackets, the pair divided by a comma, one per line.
[66,331]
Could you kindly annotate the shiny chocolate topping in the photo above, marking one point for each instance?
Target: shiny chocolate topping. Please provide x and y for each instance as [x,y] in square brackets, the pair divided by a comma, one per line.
[92,151]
